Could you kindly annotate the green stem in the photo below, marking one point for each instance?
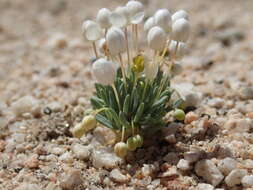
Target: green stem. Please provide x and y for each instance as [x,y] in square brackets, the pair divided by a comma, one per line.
[123,134]
[116,95]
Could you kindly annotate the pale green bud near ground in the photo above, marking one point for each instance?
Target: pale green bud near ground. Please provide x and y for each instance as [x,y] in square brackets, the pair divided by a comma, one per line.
[116,41]
[180,14]
[181,49]
[120,149]
[179,114]
[89,122]
[131,144]
[103,18]
[91,30]
[136,11]
[163,19]
[78,131]
[149,24]
[104,71]
[156,38]
[139,140]
[181,30]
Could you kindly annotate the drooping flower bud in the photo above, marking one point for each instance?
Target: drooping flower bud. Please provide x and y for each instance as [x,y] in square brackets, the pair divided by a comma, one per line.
[149,24]
[91,30]
[116,41]
[78,131]
[103,18]
[131,144]
[139,140]
[163,19]
[180,14]
[89,122]
[181,30]
[138,63]
[102,46]
[156,38]
[104,71]
[136,12]
[179,114]
[120,149]
[179,50]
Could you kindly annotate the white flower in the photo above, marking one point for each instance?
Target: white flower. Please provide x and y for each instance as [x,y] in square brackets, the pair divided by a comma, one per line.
[104,71]
[124,12]
[163,19]
[181,30]
[103,18]
[150,70]
[180,14]
[136,11]
[149,24]
[156,38]
[102,45]
[91,30]
[181,49]
[116,41]
[117,19]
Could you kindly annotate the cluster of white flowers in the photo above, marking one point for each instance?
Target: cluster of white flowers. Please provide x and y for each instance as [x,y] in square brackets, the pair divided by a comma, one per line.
[165,32]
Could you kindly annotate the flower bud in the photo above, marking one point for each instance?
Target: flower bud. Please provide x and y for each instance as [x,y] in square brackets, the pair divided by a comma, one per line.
[181,30]
[163,19]
[116,41]
[104,71]
[180,14]
[103,18]
[78,131]
[149,24]
[138,63]
[89,122]
[102,46]
[139,140]
[91,30]
[181,49]
[179,114]
[120,149]
[131,144]
[150,70]
[136,13]
[156,38]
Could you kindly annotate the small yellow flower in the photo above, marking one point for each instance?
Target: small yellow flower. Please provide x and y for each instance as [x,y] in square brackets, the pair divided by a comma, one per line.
[138,63]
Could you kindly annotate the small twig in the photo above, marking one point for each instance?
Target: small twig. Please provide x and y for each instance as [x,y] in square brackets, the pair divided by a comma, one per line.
[95,49]
[122,67]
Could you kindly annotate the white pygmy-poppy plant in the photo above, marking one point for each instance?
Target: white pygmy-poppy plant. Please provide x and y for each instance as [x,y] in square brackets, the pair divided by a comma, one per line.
[103,18]
[102,46]
[91,30]
[136,11]
[149,24]
[180,14]
[156,38]
[181,30]
[104,71]
[163,19]
[116,41]
[177,50]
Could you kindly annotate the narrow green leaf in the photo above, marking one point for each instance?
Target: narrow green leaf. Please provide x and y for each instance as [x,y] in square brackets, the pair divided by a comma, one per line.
[104,121]
[139,113]
[123,120]
[126,104]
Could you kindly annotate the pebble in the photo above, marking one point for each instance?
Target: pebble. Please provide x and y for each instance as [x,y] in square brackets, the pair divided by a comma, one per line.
[57,150]
[192,156]
[105,157]
[216,102]
[227,165]
[32,162]
[55,106]
[104,135]
[235,177]
[247,181]
[67,157]
[171,158]
[183,165]
[57,41]
[26,104]
[148,169]
[238,125]
[209,172]
[246,93]
[71,180]
[52,186]
[28,186]
[117,176]
[190,117]
[81,152]
[204,186]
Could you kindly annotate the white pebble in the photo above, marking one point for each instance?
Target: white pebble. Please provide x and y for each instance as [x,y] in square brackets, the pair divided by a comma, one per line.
[204,186]
[247,181]
[183,165]
[26,104]
[81,152]
[235,177]
[67,157]
[227,165]
[117,176]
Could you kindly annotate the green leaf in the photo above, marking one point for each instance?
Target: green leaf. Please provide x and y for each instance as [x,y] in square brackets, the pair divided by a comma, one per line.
[123,120]
[177,103]
[126,104]
[97,102]
[104,121]
[139,113]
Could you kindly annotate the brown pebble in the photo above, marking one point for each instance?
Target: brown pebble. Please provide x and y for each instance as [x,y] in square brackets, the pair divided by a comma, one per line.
[32,162]
[250,115]
[190,117]
[2,145]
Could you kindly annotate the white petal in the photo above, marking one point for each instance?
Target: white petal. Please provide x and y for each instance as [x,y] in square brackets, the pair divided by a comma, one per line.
[117,19]
[138,18]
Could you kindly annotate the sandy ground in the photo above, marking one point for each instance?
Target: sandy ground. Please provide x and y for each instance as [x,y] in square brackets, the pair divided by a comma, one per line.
[43,57]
